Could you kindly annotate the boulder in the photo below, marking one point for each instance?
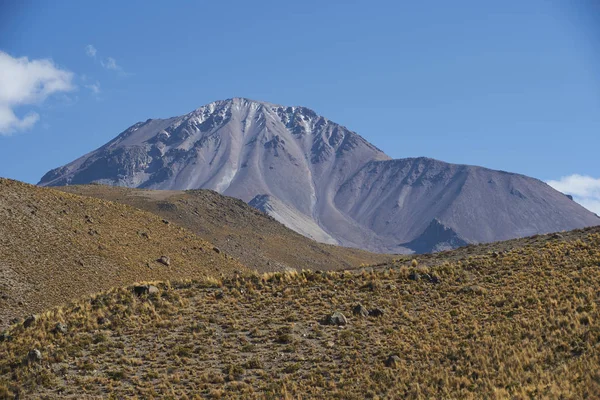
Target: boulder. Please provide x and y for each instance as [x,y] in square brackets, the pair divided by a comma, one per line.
[141,290]
[34,356]
[360,311]
[164,260]
[337,318]
[60,328]
[393,361]
[473,289]
[414,276]
[376,312]
[29,321]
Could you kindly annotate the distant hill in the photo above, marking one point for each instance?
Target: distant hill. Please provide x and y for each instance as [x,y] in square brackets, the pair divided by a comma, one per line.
[57,246]
[254,238]
[510,320]
[325,181]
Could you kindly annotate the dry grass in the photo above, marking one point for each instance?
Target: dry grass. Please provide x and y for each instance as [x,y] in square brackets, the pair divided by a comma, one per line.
[56,247]
[517,323]
[257,240]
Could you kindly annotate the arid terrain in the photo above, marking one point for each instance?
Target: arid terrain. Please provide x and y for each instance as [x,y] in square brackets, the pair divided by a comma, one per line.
[56,247]
[299,200]
[508,320]
[254,238]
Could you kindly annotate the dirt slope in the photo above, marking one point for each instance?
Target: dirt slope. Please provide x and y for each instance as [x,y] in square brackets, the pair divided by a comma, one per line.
[514,322]
[56,246]
[256,239]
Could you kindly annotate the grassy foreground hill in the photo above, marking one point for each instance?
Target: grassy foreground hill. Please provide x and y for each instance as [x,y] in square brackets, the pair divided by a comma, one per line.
[256,239]
[57,246]
[501,322]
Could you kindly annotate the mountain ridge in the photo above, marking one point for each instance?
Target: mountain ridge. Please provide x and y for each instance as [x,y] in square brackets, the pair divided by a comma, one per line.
[322,179]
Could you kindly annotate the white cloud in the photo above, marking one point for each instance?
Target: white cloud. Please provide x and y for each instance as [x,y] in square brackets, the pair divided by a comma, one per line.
[94,87]
[108,63]
[111,64]
[90,51]
[584,189]
[27,82]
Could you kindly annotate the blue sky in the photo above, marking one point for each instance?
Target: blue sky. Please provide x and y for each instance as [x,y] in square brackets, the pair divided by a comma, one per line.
[510,85]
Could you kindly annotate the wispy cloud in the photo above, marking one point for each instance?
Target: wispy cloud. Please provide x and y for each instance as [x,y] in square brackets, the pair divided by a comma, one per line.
[90,51]
[111,63]
[27,82]
[584,189]
[94,87]
[108,63]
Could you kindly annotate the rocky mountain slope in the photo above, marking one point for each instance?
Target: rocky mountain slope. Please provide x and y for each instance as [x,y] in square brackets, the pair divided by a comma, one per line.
[258,241]
[516,319]
[323,180]
[57,246]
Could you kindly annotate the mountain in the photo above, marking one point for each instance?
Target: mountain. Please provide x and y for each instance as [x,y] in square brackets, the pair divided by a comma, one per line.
[323,180]
[257,240]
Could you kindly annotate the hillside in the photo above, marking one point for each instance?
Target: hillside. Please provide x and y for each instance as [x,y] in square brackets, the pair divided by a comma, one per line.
[57,246]
[257,240]
[509,320]
[325,181]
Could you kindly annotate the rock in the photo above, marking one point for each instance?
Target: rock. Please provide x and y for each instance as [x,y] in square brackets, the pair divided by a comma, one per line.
[337,318]
[165,222]
[376,312]
[414,276]
[60,328]
[216,250]
[29,321]
[164,260]
[145,289]
[434,279]
[372,286]
[393,361]
[140,290]
[34,356]
[219,294]
[473,289]
[360,311]
[5,337]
